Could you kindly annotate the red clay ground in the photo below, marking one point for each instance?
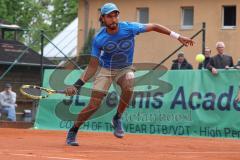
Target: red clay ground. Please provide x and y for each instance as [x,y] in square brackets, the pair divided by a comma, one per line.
[23,144]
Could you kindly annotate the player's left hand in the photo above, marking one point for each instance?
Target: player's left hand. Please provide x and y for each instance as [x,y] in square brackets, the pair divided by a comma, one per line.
[186,41]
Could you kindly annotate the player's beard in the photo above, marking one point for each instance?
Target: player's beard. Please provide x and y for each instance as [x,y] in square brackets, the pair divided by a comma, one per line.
[112,26]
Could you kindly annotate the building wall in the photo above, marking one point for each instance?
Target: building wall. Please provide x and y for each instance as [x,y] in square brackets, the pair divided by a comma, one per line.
[153,47]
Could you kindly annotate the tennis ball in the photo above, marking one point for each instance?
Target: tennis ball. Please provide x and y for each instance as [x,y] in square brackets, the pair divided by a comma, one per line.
[200,58]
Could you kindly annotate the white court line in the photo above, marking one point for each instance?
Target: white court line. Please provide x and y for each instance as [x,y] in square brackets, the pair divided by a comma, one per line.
[202,152]
[32,151]
[162,152]
[62,158]
[116,151]
[28,155]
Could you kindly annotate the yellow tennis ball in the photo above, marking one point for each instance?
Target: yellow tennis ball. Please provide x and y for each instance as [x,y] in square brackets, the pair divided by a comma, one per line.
[200,58]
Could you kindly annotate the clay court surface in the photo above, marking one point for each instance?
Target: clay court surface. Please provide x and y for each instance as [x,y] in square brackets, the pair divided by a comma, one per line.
[27,144]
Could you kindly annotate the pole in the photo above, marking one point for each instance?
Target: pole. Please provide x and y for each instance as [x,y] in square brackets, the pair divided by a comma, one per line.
[203,37]
[41,59]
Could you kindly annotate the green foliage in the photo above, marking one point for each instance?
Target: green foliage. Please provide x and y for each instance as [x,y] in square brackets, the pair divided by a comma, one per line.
[64,11]
[88,43]
[86,50]
[52,16]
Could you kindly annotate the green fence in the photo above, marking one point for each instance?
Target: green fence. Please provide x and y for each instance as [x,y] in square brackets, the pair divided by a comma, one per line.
[198,104]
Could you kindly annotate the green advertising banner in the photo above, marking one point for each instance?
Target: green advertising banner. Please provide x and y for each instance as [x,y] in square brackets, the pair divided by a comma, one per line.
[180,103]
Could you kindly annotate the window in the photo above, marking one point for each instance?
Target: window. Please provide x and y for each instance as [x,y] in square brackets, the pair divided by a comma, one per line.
[142,15]
[187,17]
[229,16]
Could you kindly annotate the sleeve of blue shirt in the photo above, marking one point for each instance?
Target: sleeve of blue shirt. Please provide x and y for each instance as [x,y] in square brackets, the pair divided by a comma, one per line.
[95,49]
[137,27]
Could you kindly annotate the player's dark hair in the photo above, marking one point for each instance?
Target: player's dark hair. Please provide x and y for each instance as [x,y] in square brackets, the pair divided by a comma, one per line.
[101,21]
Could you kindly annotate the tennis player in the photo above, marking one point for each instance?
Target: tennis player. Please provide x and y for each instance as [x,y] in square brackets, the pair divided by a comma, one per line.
[111,61]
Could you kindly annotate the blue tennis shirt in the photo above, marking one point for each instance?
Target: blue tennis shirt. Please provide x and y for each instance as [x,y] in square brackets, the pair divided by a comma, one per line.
[115,51]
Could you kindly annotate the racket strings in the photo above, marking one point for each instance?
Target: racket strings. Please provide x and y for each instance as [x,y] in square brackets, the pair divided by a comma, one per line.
[35,92]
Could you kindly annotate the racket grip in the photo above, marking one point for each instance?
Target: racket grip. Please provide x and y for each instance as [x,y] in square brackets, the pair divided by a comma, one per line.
[60,91]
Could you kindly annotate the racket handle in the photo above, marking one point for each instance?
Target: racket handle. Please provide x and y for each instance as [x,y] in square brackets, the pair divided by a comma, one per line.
[60,91]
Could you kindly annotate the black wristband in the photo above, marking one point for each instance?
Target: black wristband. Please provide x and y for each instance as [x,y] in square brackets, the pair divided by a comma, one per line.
[78,84]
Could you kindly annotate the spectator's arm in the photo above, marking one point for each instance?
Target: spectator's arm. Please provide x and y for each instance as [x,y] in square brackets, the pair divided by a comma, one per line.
[200,65]
[13,98]
[2,103]
[190,66]
[231,64]
[238,64]
[210,65]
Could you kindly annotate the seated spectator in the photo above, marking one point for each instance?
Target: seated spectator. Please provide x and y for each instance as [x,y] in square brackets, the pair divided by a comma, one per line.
[207,54]
[181,63]
[8,102]
[221,60]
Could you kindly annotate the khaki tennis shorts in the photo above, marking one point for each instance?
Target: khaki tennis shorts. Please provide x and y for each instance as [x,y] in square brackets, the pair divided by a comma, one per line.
[105,77]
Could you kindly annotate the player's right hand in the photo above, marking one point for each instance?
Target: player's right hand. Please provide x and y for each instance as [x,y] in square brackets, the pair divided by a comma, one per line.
[186,41]
[71,91]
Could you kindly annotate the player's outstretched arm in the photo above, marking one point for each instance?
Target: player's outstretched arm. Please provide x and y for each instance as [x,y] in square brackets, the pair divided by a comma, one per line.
[87,74]
[164,30]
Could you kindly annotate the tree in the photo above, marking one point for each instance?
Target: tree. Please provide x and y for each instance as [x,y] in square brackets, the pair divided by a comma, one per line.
[84,57]
[88,44]
[64,12]
[48,15]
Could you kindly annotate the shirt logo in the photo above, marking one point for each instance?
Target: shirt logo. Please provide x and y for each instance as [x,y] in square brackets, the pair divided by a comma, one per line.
[114,47]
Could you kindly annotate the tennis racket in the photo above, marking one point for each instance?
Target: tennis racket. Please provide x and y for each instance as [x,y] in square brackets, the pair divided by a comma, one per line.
[36,92]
